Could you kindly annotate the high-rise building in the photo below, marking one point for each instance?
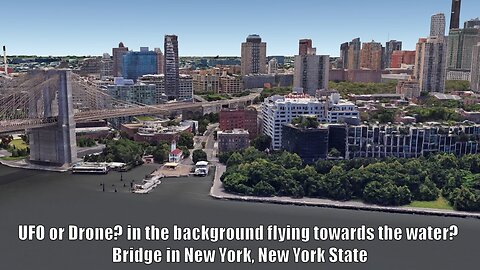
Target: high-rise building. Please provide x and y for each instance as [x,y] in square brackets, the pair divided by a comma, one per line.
[430,64]
[273,66]
[106,66]
[160,60]
[254,56]
[475,75]
[304,46]
[230,119]
[402,57]
[391,46]
[118,54]
[460,46]
[354,48]
[455,19]
[473,23]
[344,55]
[171,66]
[437,25]
[311,72]
[137,64]
[371,55]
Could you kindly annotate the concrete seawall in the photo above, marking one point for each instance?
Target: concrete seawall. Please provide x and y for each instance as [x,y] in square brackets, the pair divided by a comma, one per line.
[218,192]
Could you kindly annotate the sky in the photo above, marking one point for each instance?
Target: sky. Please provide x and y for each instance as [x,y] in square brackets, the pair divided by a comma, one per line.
[213,27]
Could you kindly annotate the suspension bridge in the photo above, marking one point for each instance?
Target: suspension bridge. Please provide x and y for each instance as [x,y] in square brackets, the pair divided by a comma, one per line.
[47,104]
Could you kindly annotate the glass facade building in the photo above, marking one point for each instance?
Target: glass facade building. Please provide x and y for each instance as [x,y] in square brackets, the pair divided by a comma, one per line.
[137,64]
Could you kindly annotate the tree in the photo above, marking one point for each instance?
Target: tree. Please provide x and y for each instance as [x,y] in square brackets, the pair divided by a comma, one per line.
[334,153]
[186,139]
[199,155]
[263,189]
[262,142]
[428,191]
[465,200]
[234,159]
[185,151]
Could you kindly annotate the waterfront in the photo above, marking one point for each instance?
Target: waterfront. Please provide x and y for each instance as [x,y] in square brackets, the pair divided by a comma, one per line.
[54,199]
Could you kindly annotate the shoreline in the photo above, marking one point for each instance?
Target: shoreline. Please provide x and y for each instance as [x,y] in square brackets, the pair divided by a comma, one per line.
[217,192]
[22,164]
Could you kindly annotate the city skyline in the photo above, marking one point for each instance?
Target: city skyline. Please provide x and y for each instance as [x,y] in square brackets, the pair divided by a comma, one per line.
[29,31]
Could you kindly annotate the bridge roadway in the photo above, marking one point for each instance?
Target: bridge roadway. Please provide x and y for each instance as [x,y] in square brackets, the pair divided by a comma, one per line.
[8,126]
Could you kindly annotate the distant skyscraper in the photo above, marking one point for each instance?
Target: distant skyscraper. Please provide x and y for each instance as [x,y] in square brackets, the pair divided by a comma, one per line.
[160,60]
[254,56]
[473,23]
[311,72]
[430,64]
[391,46]
[437,25]
[344,54]
[304,46]
[272,66]
[455,19]
[171,66]
[371,56]
[118,54]
[475,75]
[354,48]
[460,46]
[137,64]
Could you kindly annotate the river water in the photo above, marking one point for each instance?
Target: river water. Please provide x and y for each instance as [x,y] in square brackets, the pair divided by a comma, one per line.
[57,200]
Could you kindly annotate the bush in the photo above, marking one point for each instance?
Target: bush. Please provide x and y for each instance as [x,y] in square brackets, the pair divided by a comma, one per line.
[199,155]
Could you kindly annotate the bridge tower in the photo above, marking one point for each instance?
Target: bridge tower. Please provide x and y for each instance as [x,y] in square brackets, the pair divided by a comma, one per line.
[55,145]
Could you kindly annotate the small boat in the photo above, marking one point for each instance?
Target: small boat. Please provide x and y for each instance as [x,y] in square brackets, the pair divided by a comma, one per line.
[148,184]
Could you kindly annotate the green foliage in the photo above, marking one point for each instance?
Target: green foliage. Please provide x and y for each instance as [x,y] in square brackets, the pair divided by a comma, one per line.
[185,151]
[451,86]
[186,139]
[234,159]
[263,189]
[346,88]
[122,150]
[268,92]
[262,142]
[392,181]
[472,107]
[214,97]
[386,193]
[205,120]
[384,116]
[199,155]
[334,153]
[305,122]
[426,114]
[86,142]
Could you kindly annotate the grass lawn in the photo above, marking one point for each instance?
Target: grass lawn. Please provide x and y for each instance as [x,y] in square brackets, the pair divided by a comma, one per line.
[440,203]
[19,144]
[12,158]
[145,118]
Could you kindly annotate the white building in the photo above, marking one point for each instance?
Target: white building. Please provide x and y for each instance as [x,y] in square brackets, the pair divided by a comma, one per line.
[278,111]
[273,66]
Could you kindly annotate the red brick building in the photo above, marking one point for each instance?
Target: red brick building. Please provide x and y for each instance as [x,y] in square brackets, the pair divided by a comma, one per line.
[402,57]
[231,119]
